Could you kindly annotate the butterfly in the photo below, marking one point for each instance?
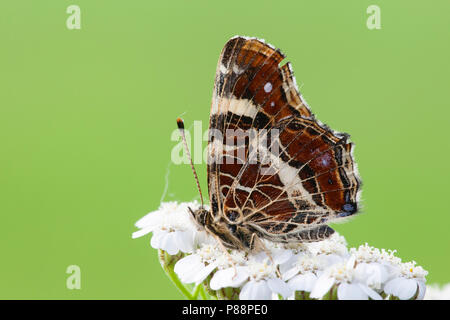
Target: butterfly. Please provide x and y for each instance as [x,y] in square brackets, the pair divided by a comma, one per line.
[313,179]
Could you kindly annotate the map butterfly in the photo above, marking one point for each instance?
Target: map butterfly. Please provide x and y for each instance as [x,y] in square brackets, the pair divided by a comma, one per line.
[315,180]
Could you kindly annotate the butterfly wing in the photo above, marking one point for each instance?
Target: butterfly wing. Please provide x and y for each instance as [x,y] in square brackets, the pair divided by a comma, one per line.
[307,176]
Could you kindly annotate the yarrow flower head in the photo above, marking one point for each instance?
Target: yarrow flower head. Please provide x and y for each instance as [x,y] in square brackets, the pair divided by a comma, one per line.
[343,276]
[173,229]
[201,268]
[410,282]
[257,276]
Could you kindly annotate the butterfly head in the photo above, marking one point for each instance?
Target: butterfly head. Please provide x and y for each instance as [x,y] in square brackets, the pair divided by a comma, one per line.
[201,216]
[222,231]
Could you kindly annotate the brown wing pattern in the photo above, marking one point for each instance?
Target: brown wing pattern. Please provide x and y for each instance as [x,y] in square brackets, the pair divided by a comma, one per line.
[312,178]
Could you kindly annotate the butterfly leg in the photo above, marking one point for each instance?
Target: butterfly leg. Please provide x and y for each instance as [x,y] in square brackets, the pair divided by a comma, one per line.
[225,250]
[257,245]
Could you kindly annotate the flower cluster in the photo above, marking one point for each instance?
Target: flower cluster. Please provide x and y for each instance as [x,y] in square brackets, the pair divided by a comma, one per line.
[320,270]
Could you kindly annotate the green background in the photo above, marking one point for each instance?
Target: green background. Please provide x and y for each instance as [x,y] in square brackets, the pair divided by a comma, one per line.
[86,118]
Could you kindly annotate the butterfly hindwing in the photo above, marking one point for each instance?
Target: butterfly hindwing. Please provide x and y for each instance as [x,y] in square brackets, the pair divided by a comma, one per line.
[307,176]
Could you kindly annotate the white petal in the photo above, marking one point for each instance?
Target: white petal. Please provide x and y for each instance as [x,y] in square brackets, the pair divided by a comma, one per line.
[289,273]
[422,290]
[330,259]
[391,286]
[322,286]
[185,241]
[351,262]
[202,237]
[255,290]
[203,273]
[280,256]
[372,274]
[168,243]
[402,288]
[370,292]
[288,266]
[303,282]
[188,268]
[351,291]
[279,286]
[142,232]
[227,278]
[157,237]
[259,257]
[408,289]
[152,219]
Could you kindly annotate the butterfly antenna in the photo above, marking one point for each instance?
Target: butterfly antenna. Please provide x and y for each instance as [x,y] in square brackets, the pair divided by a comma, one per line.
[180,124]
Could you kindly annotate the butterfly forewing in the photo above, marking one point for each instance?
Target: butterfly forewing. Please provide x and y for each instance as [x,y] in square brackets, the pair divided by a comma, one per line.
[306,176]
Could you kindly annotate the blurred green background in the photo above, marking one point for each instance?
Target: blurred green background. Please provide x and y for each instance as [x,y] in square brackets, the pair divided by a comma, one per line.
[86,117]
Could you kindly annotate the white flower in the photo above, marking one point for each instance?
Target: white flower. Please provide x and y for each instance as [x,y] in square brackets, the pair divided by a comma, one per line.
[334,245]
[368,254]
[409,283]
[229,278]
[205,259]
[264,289]
[388,256]
[303,269]
[302,263]
[263,280]
[374,274]
[303,282]
[172,227]
[191,269]
[348,286]
[356,291]
[196,267]
[258,277]
[278,252]
[280,270]
[374,266]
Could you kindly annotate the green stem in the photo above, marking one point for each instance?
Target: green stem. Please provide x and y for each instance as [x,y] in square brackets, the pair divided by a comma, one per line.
[332,294]
[166,263]
[196,292]
[207,290]
[202,292]
[302,295]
